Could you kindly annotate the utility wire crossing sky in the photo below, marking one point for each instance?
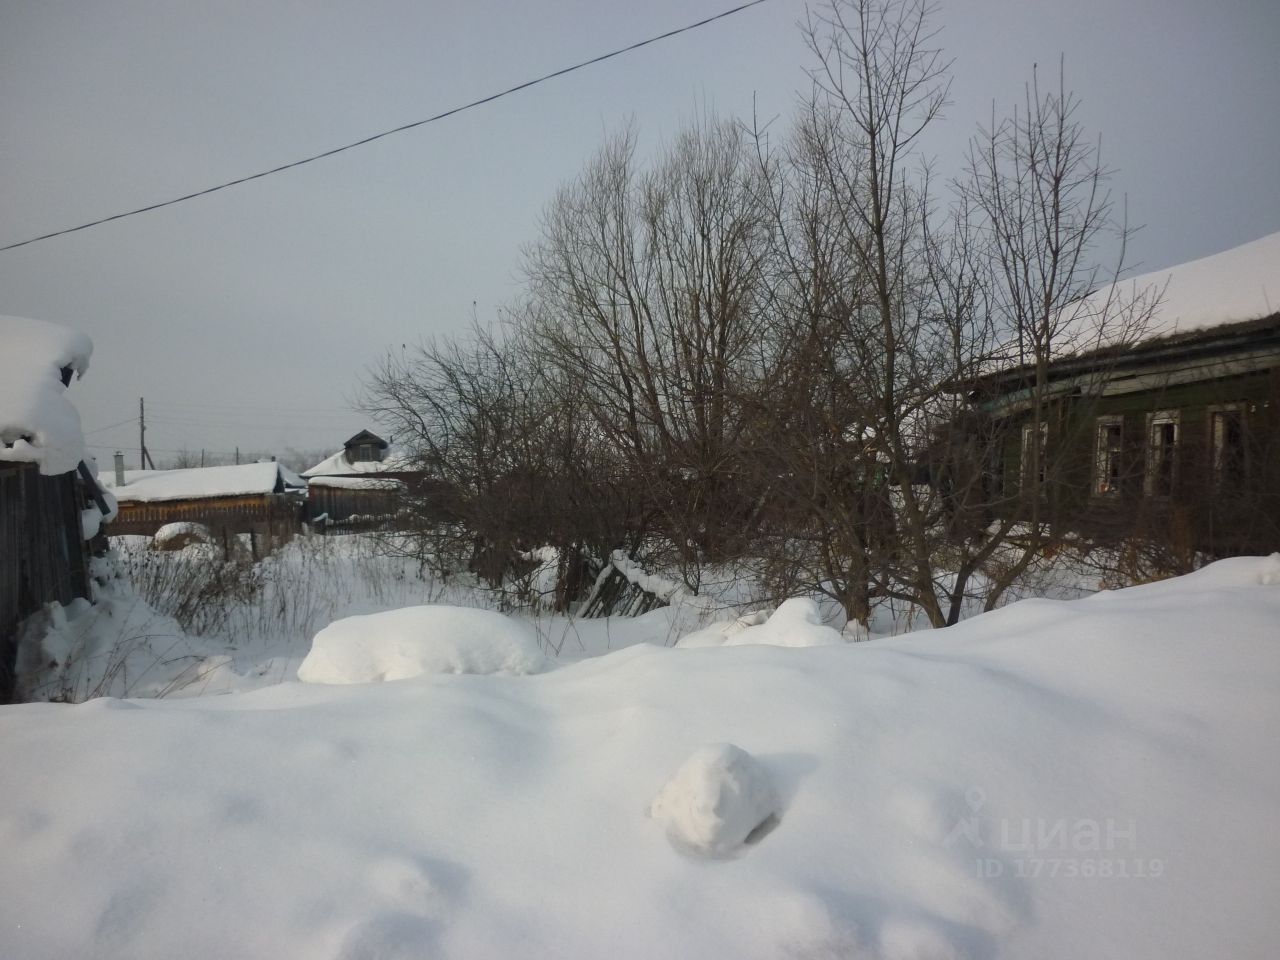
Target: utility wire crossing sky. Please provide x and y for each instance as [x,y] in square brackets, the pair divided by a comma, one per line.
[400,129]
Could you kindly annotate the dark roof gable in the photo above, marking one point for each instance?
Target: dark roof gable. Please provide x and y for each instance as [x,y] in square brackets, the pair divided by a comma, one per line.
[363,437]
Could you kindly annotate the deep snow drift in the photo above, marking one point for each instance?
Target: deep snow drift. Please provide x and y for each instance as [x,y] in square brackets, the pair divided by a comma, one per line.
[410,642]
[1053,780]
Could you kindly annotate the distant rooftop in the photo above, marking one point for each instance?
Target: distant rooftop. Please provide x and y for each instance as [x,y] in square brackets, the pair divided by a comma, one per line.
[199,483]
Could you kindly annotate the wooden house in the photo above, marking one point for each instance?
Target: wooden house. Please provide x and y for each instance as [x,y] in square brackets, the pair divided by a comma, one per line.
[261,498]
[363,484]
[49,502]
[1175,436]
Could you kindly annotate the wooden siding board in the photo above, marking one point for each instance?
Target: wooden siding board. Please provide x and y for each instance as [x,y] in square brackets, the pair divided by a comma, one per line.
[260,513]
[42,554]
[1246,522]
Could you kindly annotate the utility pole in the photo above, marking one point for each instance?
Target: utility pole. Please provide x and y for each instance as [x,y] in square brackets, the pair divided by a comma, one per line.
[144,458]
[237,456]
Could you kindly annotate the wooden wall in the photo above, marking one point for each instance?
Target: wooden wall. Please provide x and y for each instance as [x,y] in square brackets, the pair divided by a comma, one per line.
[42,553]
[263,513]
[1220,522]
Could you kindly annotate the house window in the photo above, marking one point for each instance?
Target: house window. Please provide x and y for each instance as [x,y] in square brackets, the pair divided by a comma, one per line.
[1227,450]
[366,452]
[1108,450]
[1162,453]
[1035,438]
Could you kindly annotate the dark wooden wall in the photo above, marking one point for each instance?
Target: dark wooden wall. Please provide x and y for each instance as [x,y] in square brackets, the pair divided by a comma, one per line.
[263,514]
[1220,522]
[42,554]
[341,503]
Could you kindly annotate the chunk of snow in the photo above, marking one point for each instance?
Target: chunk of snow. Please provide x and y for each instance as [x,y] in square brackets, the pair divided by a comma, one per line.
[796,623]
[175,536]
[713,803]
[1269,575]
[410,642]
[38,424]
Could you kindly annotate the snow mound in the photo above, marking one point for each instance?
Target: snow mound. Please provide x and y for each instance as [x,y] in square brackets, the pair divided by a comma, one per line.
[796,623]
[715,801]
[1269,575]
[412,641]
[176,536]
[37,422]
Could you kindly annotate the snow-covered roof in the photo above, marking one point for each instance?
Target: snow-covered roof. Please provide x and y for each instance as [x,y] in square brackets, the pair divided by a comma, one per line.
[198,483]
[38,424]
[339,466]
[358,483]
[1233,286]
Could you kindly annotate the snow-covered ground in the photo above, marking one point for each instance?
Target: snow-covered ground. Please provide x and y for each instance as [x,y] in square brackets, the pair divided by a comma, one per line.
[1056,779]
[252,625]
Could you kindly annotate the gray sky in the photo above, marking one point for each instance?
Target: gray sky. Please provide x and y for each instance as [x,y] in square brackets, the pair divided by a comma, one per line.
[247,317]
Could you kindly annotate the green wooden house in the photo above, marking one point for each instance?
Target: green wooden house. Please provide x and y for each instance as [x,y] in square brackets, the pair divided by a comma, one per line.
[1173,436]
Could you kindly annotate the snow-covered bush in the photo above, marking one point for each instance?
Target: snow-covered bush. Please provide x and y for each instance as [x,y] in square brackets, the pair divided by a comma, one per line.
[796,623]
[399,644]
[179,536]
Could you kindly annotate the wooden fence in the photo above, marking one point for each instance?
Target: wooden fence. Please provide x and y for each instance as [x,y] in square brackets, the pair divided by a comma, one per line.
[42,552]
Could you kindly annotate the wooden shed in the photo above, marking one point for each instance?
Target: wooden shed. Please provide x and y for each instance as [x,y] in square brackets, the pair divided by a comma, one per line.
[365,483]
[262,498]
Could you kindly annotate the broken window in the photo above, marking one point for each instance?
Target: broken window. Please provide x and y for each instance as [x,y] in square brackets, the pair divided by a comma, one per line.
[1227,451]
[1034,442]
[1108,450]
[1162,453]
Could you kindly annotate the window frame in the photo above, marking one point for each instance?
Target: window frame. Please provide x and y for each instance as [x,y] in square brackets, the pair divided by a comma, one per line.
[1102,486]
[1159,418]
[1213,414]
[1024,467]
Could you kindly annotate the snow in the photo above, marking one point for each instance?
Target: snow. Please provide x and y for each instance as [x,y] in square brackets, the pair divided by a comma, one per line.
[114,646]
[664,589]
[339,465]
[400,644]
[357,483]
[1057,779]
[193,483]
[181,533]
[715,801]
[1052,780]
[1227,287]
[796,623]
[38,424]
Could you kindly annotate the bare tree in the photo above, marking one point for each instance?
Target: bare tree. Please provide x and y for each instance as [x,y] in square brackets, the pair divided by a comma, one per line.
[1040,188]
[902,308]
[647,292]
[511,465]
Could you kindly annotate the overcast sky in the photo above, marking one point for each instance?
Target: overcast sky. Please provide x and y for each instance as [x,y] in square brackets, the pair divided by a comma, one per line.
[247,318]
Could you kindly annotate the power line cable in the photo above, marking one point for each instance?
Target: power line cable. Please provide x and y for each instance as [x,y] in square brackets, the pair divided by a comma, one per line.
[89,433]
[386,133]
